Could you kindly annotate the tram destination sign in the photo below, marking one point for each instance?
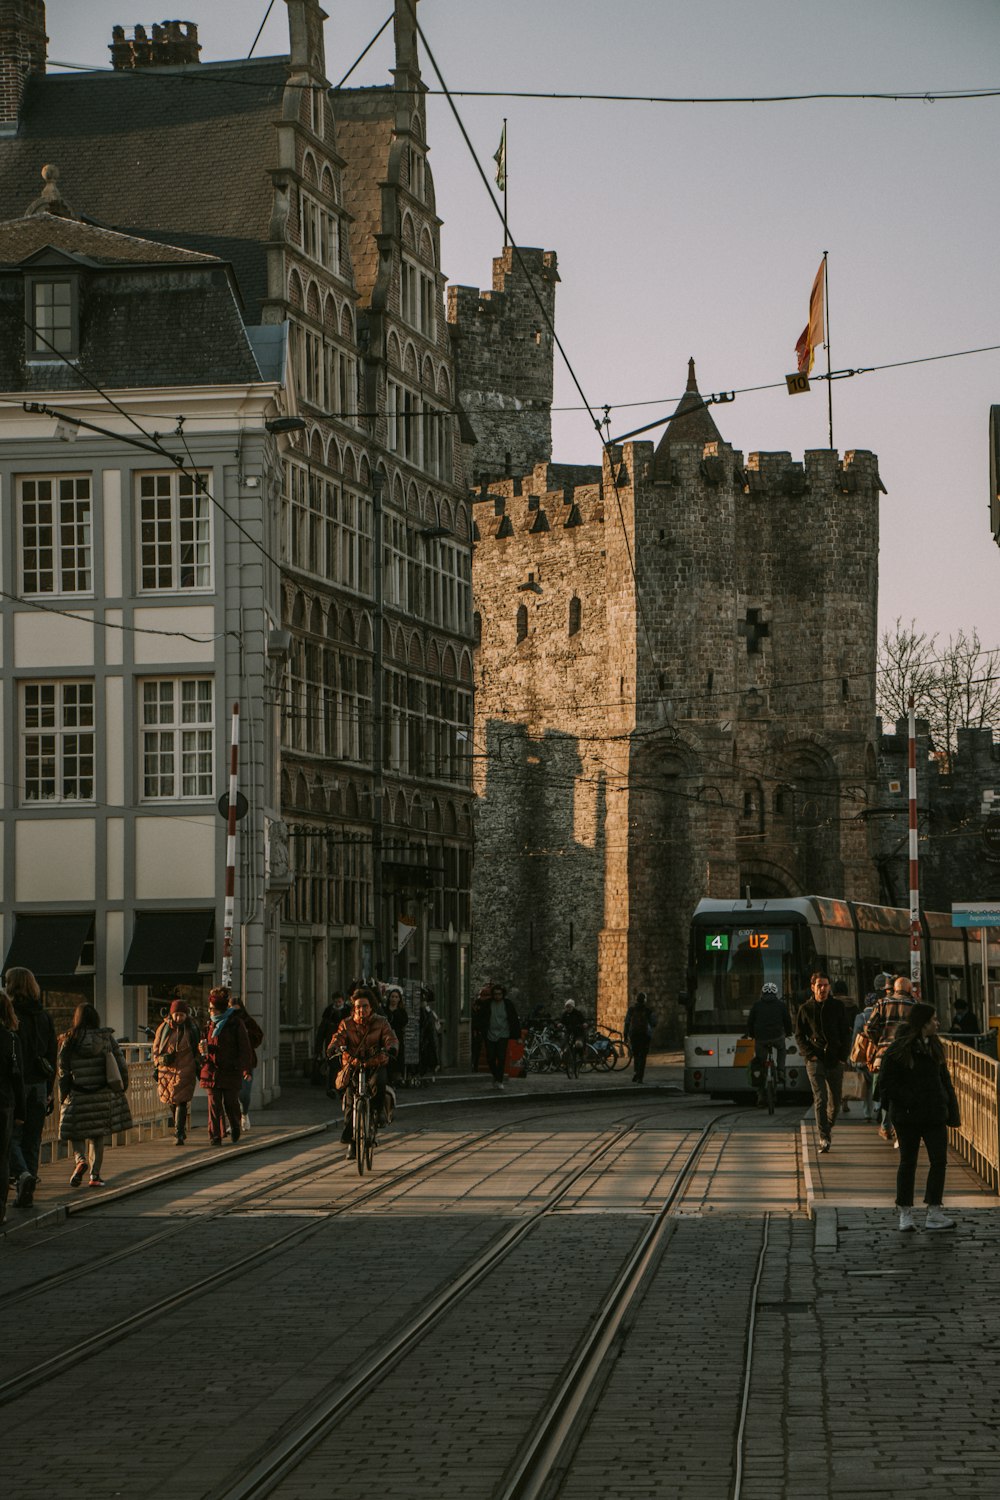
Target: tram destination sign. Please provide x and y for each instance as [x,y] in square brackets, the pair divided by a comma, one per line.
[975,914]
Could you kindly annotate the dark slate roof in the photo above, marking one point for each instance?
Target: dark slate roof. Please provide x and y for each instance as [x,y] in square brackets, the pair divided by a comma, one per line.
[21,238]
[691,421]
[179,155]
[141,325]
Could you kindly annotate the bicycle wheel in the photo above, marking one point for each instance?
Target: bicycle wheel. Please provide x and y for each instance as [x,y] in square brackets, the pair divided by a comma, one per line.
[370,1138]
[361,1128]
[770,1090]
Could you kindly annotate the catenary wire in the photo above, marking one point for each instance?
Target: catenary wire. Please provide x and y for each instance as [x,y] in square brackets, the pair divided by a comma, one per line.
[260,31]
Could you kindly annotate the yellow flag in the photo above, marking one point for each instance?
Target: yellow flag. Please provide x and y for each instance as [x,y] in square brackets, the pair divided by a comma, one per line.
[812,334]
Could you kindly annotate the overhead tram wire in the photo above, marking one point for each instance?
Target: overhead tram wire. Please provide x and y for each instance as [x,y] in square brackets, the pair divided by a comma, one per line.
[509,238]
[363,54]
[260,31]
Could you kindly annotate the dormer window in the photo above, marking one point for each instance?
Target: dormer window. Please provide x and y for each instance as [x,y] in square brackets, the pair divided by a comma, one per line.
[52,317]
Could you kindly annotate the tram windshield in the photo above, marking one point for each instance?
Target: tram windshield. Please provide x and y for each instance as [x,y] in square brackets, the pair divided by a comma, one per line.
[730,966]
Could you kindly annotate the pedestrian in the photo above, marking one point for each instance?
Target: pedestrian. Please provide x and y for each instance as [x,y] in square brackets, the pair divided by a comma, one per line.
[363,1037]
[255,1036]
[917,1088]
[822,1034]
[501,1025]
[638,1032]
[226,1058]
[428,1049]
[398,1018]
[861,1048]
[890,1012]
[11,1091]
[965,1022]
[93,1079]
[769,1023]
[328,1023]
[37,1037]
[842,993]
[176,1060]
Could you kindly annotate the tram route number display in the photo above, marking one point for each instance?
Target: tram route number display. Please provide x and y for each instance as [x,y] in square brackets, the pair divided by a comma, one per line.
[718,942]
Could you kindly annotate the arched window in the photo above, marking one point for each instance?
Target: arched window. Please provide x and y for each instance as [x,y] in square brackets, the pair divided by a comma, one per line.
[522,621]
[574,615]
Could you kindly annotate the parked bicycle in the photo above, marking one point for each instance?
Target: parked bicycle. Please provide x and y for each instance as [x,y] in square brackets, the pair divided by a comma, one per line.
[541,1050]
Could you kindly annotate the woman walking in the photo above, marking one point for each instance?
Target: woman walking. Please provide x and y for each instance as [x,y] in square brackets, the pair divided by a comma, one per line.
[93,1078]
[11,1091]
[917,1087]
[227,1061]
[176,1060]
[398,1017]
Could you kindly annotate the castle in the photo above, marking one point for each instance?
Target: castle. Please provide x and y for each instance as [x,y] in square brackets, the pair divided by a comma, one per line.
[675,691]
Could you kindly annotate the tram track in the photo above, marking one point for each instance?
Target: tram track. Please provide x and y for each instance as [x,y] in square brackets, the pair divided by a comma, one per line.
[47,1370]
[544,1449]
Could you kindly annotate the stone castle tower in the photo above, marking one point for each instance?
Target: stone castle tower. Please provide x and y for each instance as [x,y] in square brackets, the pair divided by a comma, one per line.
[674,699]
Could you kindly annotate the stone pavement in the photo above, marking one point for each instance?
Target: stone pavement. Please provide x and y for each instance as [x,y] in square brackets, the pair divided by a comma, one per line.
[303,1110]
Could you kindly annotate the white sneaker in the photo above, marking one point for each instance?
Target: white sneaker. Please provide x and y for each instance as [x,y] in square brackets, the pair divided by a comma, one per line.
[244,1122]
[906,1220]
[938,1219]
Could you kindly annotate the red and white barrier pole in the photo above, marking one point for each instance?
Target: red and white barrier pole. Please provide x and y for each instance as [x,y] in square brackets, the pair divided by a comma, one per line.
[230,909]
[914,865]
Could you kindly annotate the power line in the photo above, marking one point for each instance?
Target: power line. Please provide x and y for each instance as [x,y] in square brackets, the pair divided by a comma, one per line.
[364,53]
[260,32]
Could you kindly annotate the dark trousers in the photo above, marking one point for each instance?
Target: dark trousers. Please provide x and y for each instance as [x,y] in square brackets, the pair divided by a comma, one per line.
[935,1138]
[378,1100]
[223,1101]
[26,1143]
[496,1056]
[179,1119]
[639,1055]
[6,1131]
[827,1080]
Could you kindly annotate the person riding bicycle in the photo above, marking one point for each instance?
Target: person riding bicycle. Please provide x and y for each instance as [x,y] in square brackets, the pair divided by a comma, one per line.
[769,1023]
[362,1038]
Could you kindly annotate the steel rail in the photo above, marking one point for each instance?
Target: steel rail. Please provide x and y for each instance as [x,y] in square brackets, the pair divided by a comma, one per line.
[748,1346]
[283,1456]
[541,1454]
[18,1385]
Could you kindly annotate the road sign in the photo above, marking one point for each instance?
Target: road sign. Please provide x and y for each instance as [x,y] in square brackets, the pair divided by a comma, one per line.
[975,914]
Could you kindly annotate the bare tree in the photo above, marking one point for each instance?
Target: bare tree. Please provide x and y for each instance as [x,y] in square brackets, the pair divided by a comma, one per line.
[955,687]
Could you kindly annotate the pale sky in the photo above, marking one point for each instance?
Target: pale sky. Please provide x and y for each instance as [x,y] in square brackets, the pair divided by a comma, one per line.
[696,229]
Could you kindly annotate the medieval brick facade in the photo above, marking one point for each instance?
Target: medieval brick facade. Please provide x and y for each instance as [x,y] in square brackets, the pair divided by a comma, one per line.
[675,699]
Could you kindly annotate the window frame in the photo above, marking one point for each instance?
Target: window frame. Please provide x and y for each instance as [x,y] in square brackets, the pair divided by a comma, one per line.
[60,733]
[175,729]
[57,548]
[36,351]
[175,521]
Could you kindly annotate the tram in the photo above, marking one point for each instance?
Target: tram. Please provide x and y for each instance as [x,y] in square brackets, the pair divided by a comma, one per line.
[737,946]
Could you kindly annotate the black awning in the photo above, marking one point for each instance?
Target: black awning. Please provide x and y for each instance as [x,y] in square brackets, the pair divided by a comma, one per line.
[49,946]
[167,947]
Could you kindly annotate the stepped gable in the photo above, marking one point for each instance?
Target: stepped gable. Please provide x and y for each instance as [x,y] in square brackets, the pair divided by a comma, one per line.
[690,423]
[364,124]
[207,190]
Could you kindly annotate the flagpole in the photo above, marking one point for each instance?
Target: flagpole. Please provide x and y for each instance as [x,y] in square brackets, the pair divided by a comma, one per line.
[829,378]
[506,236]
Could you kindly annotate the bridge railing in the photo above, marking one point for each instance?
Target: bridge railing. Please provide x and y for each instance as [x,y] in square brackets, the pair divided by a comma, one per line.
[977,1139]
[148,1114]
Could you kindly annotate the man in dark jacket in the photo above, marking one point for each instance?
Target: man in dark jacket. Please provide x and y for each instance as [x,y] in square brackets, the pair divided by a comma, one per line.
[228,1060]
[500,1025]
[769,1023]
[37,1037]
[824,1039]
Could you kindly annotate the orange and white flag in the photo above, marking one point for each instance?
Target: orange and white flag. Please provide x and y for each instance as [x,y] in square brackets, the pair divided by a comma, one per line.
[812,334]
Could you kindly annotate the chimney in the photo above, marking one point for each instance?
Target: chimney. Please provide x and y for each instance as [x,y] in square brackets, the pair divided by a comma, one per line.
[173,44]
[22,52]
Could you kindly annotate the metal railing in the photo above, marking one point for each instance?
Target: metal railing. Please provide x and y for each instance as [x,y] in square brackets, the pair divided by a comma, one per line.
[143,1100]
[977,1139]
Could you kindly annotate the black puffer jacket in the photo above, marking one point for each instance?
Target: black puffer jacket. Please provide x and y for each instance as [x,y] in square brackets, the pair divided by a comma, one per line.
[917,1087]
[90,1108]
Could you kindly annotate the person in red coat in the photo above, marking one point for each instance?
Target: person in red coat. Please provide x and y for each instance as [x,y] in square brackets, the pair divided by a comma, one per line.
[227,1061]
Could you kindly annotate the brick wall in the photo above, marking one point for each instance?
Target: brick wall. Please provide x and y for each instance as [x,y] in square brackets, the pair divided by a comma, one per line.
[22,51]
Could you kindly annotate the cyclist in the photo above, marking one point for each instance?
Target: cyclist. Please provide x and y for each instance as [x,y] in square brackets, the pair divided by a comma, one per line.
[363,1037]
[769,1023]
[575,1026]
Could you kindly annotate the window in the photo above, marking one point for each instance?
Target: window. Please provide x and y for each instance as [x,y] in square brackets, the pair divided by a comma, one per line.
[56,535]
[175,534]
[51,318]
[522,622]
[57,736]
[418,299]
[178,737]
[574,616]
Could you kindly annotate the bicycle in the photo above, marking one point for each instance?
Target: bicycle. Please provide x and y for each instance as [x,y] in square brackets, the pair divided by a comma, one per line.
[541,1054]
[364,1124]
[770,1080]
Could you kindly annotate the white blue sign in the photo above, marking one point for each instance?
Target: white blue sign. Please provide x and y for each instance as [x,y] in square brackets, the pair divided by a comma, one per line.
[975,914]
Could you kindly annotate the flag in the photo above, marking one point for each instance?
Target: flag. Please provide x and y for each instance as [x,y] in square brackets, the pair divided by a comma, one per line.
[405,928]
[500,157]
[812,334]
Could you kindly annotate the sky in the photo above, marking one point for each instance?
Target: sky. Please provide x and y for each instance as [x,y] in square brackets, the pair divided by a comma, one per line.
[695,229]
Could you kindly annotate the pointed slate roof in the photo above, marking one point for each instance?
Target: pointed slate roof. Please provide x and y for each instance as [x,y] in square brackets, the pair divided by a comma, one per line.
[691,421]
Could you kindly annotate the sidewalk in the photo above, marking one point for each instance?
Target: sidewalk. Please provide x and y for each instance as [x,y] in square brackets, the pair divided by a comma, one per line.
[301,1111]
[858,1176]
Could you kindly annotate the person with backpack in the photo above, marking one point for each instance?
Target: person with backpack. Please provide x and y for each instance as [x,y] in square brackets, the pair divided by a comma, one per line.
[93,1077]
[227,1059]
[255,1037]
[11,1091]
[37,1037]
[176,1060]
